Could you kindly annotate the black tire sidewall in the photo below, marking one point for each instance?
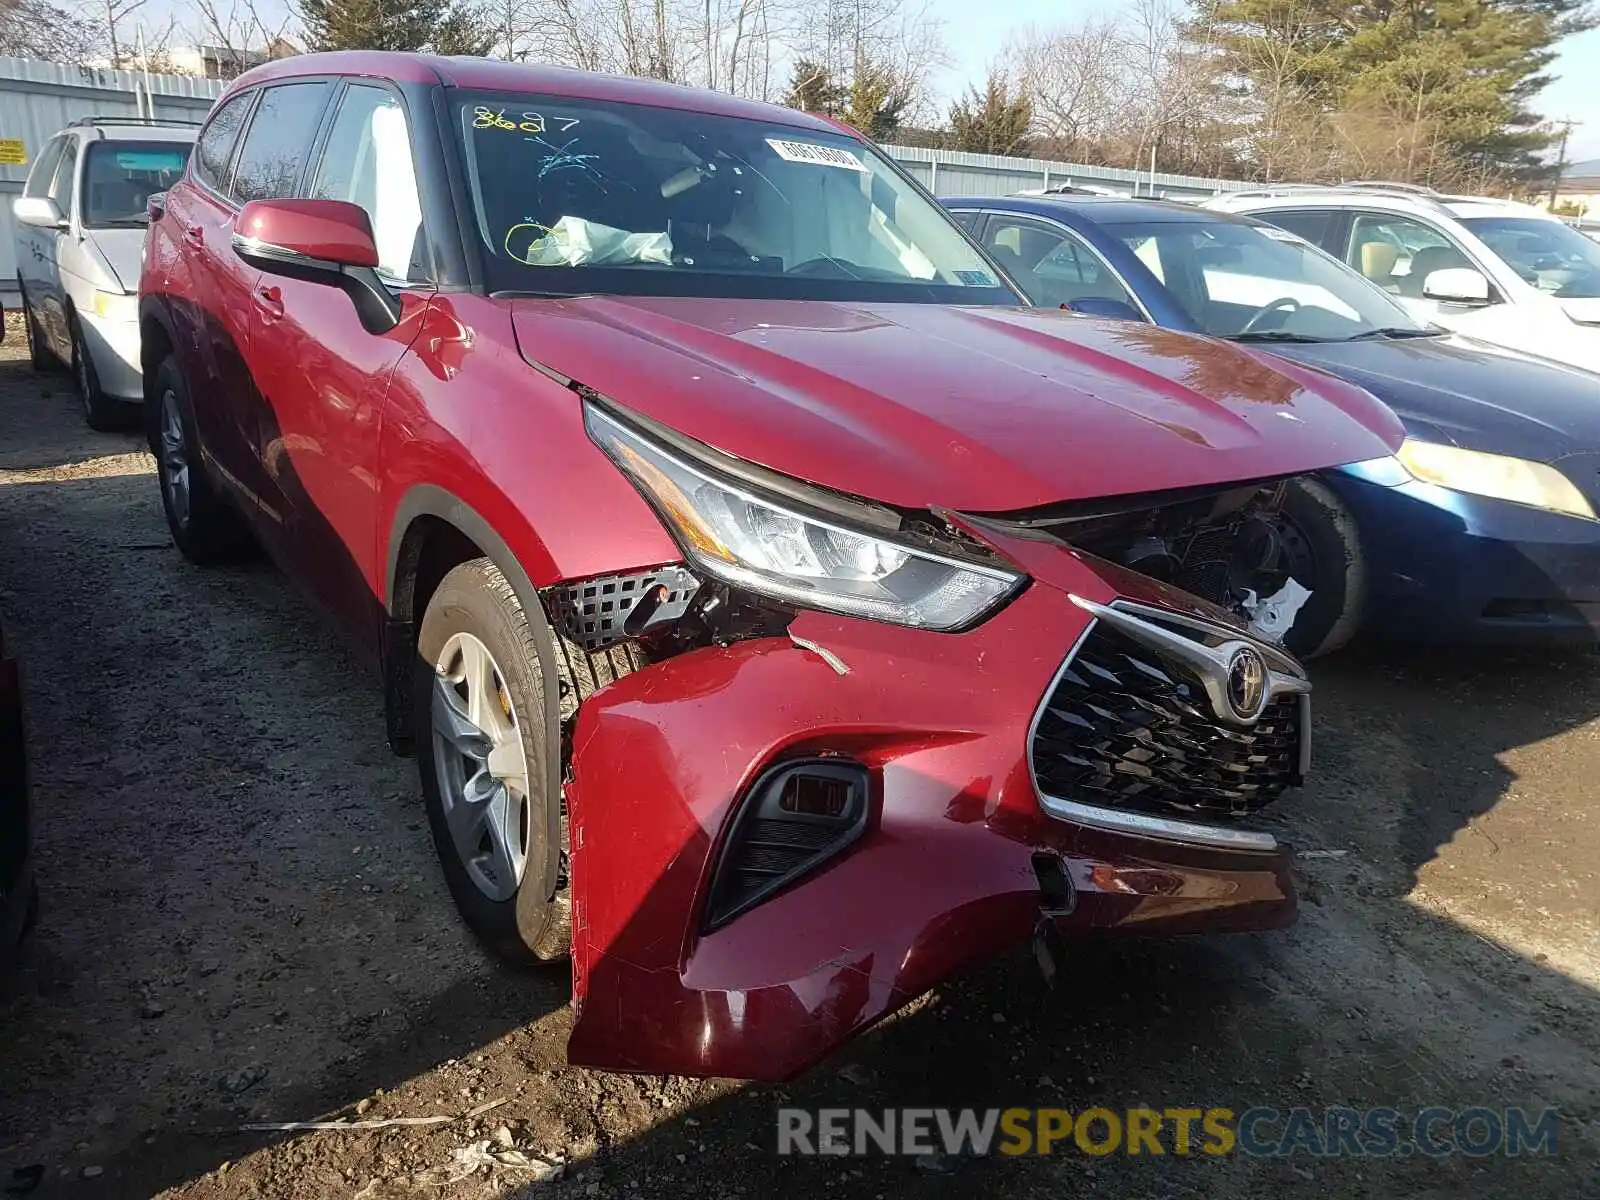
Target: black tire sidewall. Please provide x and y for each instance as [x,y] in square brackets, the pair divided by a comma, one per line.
[214,532]
[39,356]
[1332,615]
[476,598]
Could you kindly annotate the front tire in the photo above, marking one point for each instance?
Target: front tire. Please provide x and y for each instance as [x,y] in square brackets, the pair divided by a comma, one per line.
[39,356]
[1322,542]
[482,756]
[205,527]
[101,412]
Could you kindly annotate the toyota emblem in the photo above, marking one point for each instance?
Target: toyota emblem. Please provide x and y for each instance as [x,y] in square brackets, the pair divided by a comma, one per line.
[1247,683]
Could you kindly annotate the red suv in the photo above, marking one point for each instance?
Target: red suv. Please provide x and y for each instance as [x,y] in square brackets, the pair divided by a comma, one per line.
[782,615]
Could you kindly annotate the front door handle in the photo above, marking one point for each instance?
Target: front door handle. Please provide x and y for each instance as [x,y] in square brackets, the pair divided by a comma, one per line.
[194,235]
[269,300]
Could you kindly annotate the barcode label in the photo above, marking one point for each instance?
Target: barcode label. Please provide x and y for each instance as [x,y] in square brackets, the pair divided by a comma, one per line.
[819,156]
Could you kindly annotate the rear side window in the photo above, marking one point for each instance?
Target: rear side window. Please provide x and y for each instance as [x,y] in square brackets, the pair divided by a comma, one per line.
[280,136]
[1311,224]
[215,145]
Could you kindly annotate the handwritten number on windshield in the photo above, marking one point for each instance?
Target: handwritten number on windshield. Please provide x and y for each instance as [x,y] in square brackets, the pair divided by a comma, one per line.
[528,122]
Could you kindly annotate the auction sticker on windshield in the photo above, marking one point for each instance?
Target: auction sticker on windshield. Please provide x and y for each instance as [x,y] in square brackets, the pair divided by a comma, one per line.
[811,152]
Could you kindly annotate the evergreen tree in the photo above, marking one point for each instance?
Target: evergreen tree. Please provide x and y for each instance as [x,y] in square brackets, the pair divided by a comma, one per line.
[1424,88]
[993,121]
[438,26]
[812,89]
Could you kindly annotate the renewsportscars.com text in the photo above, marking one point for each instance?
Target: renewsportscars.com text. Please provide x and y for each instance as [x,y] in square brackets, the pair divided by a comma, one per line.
[1267,1132]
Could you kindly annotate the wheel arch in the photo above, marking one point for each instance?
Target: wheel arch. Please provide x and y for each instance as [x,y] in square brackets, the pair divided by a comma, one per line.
[432,531]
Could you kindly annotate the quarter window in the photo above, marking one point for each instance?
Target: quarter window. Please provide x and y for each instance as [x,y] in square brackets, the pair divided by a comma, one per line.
[368,162]
[44,169]
[275,148]
[215,144]
[66,180]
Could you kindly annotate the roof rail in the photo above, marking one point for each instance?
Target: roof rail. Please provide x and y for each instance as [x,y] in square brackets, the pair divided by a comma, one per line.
[93,121]
[1387,185]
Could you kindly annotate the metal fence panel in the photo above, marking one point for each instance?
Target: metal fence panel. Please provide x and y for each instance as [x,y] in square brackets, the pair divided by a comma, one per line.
[958,173]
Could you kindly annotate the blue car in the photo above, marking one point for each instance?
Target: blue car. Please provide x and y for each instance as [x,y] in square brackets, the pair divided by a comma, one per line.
[1481,529]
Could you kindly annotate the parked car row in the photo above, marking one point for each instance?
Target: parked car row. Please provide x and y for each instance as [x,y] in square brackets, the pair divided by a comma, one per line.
[1481,529]
[789,598]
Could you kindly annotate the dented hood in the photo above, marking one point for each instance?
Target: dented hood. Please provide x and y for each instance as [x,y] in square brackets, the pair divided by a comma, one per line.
[978,409]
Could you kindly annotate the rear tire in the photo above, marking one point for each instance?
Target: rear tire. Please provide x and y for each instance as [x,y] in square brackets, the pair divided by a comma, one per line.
[205,527]
[103,413]
[1329,537]
[481,750]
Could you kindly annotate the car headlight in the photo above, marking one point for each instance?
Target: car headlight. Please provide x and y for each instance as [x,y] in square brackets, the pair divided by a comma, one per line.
[1496,475]
[772,549]
[116,306]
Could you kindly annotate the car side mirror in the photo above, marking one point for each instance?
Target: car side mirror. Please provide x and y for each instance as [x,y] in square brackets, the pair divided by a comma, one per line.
[320,241]
[39,211]
[1456,285]
[1096,306]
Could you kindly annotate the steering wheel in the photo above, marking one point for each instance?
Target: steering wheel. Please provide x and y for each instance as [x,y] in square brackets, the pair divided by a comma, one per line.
[1283,304]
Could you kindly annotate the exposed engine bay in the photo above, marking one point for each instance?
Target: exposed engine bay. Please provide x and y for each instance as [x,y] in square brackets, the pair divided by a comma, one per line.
[1231,545]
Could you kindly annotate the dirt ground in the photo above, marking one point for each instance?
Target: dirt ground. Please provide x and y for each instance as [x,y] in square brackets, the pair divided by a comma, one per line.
[243,922]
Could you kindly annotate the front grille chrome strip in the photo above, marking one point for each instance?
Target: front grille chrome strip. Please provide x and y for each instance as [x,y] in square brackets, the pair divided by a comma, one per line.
[1146,824]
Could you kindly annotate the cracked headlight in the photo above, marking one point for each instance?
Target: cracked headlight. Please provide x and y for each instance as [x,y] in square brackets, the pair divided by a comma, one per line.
[773,548]
[1499,476]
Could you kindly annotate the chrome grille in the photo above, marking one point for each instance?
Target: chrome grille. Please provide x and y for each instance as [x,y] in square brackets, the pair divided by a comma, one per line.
[1129,726]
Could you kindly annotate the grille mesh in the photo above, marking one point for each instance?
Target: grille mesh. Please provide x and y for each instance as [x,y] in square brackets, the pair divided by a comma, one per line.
[592,612]
[1129,727]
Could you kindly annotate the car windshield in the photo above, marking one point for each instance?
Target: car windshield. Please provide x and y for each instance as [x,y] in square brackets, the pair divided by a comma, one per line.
[585,196]
[1549,255]
[1258,281]
[119,177]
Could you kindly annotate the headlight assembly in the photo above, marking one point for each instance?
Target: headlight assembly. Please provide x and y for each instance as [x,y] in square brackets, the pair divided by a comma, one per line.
[773,549]
[1496,475]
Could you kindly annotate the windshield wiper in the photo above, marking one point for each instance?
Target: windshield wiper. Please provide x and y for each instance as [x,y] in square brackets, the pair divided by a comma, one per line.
[1391,332]
[1271,335]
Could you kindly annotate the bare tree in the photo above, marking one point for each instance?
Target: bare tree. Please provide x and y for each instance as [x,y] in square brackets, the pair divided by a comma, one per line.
[238,31]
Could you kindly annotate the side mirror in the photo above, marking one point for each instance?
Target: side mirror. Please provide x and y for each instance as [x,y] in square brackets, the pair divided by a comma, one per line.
[39,211]
[320,241]
[1095,306]
[1456,285]
[155,207]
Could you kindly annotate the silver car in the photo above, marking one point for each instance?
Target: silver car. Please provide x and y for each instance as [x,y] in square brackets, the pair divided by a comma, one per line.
[80,236]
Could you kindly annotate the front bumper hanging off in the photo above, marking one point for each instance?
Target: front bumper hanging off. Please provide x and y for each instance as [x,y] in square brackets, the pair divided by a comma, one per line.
[967,742]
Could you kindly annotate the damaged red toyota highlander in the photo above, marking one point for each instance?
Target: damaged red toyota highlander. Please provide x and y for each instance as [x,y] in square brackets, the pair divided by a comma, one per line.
[783,616]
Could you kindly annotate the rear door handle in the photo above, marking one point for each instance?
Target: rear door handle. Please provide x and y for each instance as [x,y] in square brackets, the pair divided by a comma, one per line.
[269,300]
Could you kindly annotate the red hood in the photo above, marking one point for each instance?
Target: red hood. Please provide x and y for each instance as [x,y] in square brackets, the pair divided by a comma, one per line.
[975,409]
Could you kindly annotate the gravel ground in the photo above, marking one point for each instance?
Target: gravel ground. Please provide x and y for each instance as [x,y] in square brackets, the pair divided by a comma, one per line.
[243,922]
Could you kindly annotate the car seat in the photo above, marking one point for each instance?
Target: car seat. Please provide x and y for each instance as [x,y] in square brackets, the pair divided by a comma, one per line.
[1425,262]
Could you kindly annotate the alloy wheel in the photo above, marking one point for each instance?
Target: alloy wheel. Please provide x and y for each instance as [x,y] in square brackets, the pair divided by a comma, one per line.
[174,458]
[481,766]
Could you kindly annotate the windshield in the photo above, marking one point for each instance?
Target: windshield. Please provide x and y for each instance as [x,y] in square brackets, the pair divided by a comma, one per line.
[120,177]
[583,196]
[1549,255]
[1237,280]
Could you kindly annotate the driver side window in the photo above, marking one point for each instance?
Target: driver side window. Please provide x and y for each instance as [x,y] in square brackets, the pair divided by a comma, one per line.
[1053,266]
[368,162]
[1399,253]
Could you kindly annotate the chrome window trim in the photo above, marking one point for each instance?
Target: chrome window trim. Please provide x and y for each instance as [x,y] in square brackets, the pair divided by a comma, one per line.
[1150,825]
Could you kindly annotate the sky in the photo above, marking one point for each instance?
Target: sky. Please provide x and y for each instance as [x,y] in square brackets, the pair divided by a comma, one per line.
[976,34]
